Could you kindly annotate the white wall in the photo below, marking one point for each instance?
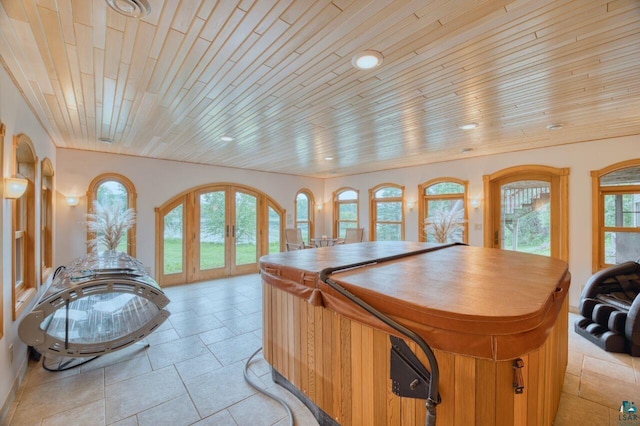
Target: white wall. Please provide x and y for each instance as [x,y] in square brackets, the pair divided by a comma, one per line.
[156,181]
[18,118]
[579,158]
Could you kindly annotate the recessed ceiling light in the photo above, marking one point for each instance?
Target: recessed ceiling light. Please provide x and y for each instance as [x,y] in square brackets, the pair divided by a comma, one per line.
[107,141]
[226,139]
[555,126]
[328,158]
[469,126]
[367,59]
[130,8]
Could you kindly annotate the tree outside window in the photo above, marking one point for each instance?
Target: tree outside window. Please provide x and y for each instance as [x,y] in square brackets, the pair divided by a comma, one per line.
[387,213]
[443,213]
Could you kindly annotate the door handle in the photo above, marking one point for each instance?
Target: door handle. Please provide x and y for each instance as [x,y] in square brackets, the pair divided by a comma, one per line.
[496,238]
[227,232]
[233,231]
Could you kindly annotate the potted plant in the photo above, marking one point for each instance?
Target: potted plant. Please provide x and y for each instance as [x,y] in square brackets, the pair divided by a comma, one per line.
[443,224]
[108,223]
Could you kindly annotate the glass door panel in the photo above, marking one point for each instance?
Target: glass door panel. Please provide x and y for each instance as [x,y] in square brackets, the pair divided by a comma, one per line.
[245,230]
[212,230]
[274,231]
[173,245]
[525,216]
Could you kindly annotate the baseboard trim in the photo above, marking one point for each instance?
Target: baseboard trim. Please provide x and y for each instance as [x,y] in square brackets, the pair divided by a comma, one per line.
[6,406]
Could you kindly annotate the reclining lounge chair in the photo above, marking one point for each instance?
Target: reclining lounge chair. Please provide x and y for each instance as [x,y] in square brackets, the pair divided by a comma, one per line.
[610,308]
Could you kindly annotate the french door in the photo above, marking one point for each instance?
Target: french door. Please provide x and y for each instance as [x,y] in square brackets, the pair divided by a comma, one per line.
[526,210]
[215,231]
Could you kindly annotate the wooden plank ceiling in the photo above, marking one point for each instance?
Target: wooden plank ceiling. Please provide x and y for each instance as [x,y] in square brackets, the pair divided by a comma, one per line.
[277,77]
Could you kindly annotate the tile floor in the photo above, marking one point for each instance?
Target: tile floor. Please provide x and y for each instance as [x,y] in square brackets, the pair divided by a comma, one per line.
[192,373]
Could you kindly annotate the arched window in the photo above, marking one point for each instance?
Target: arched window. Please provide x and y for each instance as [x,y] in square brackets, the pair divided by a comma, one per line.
[526,210]
[46,218]
[24,225]
[304,213]
[112,188]
[345,213]
[443,211]
[616,214]
[387,212]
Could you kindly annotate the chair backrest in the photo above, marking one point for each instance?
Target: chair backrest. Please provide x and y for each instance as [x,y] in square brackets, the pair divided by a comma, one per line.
[293,238]
[353,235]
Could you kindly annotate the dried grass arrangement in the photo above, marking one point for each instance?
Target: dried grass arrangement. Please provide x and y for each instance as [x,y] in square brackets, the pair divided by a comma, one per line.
[442,224]
[109,223]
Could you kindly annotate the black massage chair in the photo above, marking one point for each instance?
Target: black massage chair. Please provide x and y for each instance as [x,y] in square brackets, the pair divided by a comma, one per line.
[610,308]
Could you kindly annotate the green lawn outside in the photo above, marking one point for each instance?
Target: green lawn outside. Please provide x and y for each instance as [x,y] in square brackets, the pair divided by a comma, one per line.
[212,255]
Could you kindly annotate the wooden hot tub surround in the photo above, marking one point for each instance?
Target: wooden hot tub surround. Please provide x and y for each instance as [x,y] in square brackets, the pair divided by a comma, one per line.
[479,309]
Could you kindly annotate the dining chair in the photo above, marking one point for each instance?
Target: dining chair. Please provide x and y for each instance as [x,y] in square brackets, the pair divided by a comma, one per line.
[352,235]
[293,239]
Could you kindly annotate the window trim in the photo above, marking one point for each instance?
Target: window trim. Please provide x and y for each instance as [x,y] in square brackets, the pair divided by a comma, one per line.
[46,220]
[336,209]
[597,210]
[423,211]
[24,153]
[559,179]
[373,202]
[131,204]
[311,203]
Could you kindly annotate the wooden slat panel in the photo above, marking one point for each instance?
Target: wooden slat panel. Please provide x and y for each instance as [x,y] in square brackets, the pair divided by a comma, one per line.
[356,372]
[349,372]
[280,71]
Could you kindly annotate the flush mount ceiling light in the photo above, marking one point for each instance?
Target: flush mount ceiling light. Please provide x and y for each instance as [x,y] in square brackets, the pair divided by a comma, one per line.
[329,158]
[555,126]
[130,8]
[367,59]
[469,126]
[226,139]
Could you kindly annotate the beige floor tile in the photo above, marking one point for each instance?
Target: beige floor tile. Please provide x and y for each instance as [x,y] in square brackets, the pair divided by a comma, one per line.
[89,414]
[129,421]
[138,394]
[169,353]
[257,410]
[217,335]
[176,412]
[571,384]
[606,391]
[198,366]
[219,389]
[236,348]
[614,371]
[57,396]
[221,418]
[126,369]
[574,411]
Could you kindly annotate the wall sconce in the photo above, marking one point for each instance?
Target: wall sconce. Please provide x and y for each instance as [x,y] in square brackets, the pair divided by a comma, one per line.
[411,205]
[15,187]
[475,203]
[319,206]
[73,201]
